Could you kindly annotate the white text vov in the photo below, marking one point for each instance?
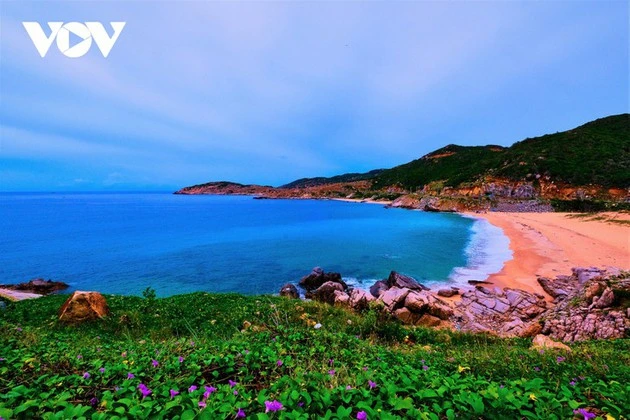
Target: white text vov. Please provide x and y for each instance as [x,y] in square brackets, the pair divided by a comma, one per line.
[87,32]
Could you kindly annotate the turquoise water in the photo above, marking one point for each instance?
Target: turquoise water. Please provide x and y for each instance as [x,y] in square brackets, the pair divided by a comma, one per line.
[123,243]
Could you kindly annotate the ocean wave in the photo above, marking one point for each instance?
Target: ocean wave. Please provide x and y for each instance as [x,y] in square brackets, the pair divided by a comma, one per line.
[487,251]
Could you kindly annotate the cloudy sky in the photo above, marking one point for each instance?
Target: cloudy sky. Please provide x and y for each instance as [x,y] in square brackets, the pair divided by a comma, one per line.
[266,92]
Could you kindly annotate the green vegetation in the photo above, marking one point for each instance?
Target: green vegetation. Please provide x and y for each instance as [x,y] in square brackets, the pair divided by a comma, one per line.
[306,359]
[594,153]
[314,182]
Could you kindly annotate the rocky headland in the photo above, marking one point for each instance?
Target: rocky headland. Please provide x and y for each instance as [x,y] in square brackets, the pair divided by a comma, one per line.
[591,303]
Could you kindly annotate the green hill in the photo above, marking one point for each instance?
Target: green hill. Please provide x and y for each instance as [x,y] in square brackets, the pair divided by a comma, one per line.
[594,153]
[314,182]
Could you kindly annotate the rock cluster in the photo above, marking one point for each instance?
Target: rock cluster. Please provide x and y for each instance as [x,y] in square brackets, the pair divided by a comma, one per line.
[507,312]
[39,286]
[591,303]
[595,305]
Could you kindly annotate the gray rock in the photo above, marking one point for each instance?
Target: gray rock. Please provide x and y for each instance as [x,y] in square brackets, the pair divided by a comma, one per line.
[326,292]
[290,291]
[393,298]
[378,288]
[404,282]
[447,292]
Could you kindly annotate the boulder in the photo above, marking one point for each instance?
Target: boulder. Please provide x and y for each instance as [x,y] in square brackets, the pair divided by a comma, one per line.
[542,342]
[447,292]
[427,320]
[422,302]
[83,306]
[360,299]
[605,300]
[318,277]
[290,291]
[341,298]
[393,298]
[326,292]
[402,281]
[379,287]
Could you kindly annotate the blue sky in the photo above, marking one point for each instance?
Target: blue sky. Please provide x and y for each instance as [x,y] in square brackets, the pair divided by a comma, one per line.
[267,92]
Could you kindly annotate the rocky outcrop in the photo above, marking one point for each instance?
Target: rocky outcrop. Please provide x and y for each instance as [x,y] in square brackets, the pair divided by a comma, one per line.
[318,277]
[38,286]
[596,305]
[290,291]
[591,303]
[83,306]
[507,312]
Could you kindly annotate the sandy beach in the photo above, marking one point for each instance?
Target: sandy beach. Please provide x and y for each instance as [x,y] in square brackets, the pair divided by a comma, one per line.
[550,244]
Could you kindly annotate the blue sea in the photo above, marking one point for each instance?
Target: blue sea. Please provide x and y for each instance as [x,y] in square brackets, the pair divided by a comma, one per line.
[123,243]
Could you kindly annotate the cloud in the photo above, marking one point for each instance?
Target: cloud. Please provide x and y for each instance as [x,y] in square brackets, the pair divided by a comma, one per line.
[275,90]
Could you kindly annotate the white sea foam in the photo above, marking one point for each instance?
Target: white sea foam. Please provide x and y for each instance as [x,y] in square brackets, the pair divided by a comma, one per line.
[487,251]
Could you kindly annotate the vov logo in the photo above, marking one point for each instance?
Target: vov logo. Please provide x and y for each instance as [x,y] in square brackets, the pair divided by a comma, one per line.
[86,32]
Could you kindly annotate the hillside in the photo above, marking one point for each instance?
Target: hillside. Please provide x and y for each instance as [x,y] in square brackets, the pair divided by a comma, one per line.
[594,153]
[315,182]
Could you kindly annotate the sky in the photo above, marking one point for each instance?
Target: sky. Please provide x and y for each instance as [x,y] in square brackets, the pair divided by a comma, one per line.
[267,92]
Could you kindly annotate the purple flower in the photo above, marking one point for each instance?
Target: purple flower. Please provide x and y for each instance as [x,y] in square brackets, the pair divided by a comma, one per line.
[560,359]
[301,404]
[361,415]
[209,390]
[86,375]
[272,406]
[130,375]
[102,370]
[79,357]
[425,367]
[181,359]
[572,383]
[144,390]
[279,363]
[116,388]
[192,388]
[502,386]
[246,352]
[536,368]
[371,384]
[202,404]
[173,393]
[155,363]
[348,388]
[331,361]
[19,329]
[232,383]
[94,402]
[331,372]
[235,392]
[123,354]
[585,413]
[365,368]
[192,344]
[240,414]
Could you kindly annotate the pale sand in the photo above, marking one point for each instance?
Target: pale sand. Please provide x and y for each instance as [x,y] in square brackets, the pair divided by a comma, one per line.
[17,295]
[550,244]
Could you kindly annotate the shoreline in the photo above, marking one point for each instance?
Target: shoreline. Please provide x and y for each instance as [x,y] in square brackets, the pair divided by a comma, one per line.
[551,244]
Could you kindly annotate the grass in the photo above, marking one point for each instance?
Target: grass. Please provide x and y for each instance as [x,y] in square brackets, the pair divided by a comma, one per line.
[259,349]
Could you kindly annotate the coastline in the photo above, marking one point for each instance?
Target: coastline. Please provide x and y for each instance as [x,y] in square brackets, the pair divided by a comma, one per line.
[550,244]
